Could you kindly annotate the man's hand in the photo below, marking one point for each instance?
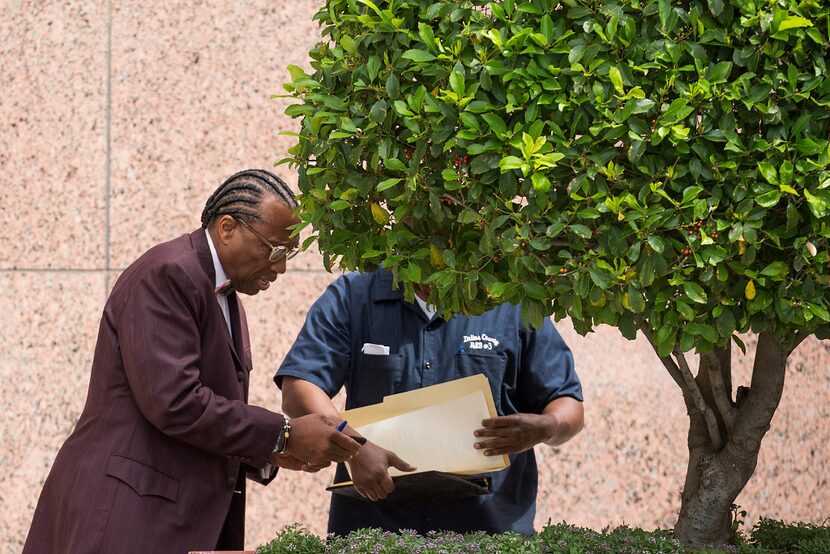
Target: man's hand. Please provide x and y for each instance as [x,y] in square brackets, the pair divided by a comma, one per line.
[369,471]
[515,433]
[315,440]
[286,461]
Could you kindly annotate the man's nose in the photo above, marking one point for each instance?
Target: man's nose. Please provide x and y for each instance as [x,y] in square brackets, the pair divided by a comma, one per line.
[279,266]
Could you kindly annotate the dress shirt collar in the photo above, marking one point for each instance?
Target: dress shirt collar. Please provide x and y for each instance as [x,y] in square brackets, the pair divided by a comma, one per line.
[217,265]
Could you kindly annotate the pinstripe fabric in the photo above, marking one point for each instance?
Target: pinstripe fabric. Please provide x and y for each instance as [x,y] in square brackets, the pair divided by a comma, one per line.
[154,458]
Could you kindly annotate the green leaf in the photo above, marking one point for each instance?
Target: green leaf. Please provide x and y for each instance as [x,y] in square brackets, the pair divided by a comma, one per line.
[719,72]
[496,289]
[818,205]
[786,172]
[418,56]
[394,164]
[685,310]
[819,311]
[600,277]
[457,83]
[665,338]
[656,244]
[373,67]
[541,183]
[582,231]
[647,270]
[496,123]
[468,216]
[769,172]
[677,110]
[511,162]
[663,10]
[769,199]
[534,290]
[555,229]
[695,292]
[794,22]
[296,72]
[427,35]
[777,269]
[388,183]
[449,175]
[338,205]
[636,301]
[616,79]
[726,323]
[642,105]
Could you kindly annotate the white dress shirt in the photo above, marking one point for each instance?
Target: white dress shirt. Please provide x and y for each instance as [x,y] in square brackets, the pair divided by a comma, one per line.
[220,278]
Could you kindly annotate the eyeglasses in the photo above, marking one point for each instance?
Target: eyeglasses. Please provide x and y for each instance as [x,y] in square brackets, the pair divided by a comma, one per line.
[278,252]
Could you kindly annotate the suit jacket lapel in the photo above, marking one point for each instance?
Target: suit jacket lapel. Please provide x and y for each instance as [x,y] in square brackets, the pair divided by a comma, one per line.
[199,241]
[238,349]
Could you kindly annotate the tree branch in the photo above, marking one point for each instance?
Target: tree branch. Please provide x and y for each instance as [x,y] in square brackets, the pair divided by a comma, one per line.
[669,364]
[799,338]
[682,375]
[757,409]
[697,399]
[722,397]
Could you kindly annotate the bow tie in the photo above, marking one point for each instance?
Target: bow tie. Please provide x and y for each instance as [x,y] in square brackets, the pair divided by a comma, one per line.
[224,288]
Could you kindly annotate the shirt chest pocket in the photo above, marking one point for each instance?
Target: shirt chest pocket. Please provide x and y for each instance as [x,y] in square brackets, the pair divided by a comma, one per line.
[375,376]
[491,365]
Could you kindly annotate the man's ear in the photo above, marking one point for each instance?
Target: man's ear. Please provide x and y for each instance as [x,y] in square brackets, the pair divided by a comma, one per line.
[225,227]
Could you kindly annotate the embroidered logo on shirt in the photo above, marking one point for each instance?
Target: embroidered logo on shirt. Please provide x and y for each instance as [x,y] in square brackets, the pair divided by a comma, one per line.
[478,342]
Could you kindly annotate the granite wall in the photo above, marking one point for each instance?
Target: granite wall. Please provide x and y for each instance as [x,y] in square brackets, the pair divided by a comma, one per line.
[117,120]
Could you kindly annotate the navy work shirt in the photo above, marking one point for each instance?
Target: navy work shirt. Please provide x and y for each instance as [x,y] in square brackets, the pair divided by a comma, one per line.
[526,369]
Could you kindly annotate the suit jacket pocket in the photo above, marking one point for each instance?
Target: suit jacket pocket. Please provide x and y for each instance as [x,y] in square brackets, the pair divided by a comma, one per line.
[143,479]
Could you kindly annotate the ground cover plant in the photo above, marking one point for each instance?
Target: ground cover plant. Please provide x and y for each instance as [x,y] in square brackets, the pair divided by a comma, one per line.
[656,165]
[768,536]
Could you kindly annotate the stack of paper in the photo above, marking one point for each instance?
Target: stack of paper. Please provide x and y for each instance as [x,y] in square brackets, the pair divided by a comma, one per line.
[432,428]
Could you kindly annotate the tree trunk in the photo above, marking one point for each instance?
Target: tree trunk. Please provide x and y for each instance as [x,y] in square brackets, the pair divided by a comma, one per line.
[715,476]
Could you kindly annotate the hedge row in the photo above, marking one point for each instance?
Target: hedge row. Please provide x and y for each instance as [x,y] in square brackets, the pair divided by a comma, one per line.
[768,536]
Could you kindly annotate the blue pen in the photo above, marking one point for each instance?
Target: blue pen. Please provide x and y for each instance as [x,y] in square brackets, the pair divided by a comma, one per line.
[359,440]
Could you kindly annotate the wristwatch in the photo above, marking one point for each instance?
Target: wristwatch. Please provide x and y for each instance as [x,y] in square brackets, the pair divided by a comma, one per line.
[282,439]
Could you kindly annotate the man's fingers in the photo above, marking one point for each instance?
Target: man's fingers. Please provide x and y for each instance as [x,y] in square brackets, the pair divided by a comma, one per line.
[314,468]
[492,445]
[494,432]
[502,421]
[498,451]
[387,486]
[346,443]
[397,463]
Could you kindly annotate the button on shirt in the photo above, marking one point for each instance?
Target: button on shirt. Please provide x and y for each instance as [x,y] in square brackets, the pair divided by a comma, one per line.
[526,369]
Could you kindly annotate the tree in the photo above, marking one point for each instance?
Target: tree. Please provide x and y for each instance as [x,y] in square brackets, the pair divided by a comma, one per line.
[656,165]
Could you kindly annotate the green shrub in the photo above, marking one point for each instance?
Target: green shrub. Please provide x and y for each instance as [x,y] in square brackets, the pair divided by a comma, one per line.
[294,539]
[792,537]
[768,536]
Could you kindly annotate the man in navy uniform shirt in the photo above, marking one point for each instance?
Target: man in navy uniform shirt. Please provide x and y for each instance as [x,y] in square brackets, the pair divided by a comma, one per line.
[363,335]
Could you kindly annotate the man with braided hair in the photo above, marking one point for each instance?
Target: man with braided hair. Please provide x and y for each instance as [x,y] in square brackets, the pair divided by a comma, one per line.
[158,459]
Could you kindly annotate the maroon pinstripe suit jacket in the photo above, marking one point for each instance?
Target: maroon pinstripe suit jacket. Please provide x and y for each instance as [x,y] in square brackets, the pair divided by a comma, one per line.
[153,461]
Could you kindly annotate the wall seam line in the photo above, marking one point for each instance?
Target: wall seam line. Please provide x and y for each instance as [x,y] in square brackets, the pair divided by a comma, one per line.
[108,157]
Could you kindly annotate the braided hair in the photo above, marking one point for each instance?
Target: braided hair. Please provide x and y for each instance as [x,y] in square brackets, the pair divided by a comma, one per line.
[241,194]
